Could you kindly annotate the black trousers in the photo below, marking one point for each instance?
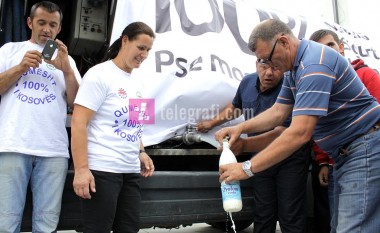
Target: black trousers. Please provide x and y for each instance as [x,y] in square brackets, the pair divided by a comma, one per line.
[115,205]
[321,202]
[279,194]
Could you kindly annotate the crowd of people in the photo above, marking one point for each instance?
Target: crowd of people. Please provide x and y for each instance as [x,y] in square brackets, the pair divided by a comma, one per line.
[304,96]
[279,192]
[329,105]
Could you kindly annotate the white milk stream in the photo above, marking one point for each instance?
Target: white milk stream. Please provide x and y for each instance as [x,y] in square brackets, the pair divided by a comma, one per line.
[232,221]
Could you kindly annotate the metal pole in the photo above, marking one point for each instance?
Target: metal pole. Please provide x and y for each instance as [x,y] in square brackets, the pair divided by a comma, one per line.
[336,11]
[1,15]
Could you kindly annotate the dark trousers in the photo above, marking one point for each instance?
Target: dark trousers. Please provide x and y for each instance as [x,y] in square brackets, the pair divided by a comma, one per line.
[321,202]
[280,195]
[115,205]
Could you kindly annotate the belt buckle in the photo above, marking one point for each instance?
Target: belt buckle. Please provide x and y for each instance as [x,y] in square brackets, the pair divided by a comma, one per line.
[343,151]
[374,128]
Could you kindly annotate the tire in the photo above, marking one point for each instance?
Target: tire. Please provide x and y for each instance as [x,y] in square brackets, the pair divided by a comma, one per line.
[227,226]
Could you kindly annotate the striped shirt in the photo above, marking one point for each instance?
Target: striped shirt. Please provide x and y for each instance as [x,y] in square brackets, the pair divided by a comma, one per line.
[323,83]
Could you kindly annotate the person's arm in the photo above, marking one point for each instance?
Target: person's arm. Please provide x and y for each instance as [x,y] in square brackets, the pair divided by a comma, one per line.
[230,112]
[62,63]
[259,142]
[263,122]
[372,82]
[147,166]
[323,176]
[83,179]
[71,87]
[321,156]
[324,162]
[296,135]
[8,78]
[268,119]
[256,143]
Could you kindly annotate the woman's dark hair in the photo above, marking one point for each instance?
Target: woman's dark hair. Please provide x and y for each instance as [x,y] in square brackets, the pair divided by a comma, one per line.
[46,5]
[131,31]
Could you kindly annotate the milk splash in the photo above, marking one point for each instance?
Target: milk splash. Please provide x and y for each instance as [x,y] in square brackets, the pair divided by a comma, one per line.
[232,221]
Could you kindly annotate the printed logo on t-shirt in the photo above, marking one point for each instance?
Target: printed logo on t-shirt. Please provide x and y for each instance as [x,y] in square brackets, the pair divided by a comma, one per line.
[125,127]
[122,93]
[35,87]
[50,66]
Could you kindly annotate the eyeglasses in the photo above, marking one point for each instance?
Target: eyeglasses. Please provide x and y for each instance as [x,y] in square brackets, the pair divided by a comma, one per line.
[268,61]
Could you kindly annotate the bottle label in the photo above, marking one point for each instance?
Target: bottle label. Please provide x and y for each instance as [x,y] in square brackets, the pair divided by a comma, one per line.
[231,191]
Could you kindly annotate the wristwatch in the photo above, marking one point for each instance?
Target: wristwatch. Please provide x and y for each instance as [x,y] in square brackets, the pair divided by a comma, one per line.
[247,168]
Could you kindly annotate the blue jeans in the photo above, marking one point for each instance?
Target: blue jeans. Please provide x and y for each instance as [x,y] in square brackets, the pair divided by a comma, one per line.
[47,178]
[357,187]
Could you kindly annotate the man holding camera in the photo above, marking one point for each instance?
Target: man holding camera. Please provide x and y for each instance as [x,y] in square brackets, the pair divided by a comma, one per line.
[35,93]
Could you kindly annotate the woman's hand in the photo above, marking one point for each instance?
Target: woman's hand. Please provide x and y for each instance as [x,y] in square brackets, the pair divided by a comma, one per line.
[83,182]
[147,167]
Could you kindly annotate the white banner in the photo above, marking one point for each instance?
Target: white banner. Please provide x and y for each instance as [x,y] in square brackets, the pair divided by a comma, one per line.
[200,55]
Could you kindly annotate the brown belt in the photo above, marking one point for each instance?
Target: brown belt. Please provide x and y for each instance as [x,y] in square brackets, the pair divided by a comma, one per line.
[343,150]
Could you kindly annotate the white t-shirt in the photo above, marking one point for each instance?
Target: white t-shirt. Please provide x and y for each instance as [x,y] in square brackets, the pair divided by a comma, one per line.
[113,134]
[33,111]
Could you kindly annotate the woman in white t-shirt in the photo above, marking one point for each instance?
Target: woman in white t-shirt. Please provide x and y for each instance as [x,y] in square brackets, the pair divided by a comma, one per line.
[106,134]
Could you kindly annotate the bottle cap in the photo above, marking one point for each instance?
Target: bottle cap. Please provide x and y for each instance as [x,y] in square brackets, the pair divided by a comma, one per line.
[226,142]
[226,139]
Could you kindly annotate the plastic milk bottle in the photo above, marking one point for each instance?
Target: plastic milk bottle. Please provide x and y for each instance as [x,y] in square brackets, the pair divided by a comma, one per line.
[231,192]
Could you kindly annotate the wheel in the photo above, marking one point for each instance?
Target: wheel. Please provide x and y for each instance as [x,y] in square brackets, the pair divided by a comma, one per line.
[227,226]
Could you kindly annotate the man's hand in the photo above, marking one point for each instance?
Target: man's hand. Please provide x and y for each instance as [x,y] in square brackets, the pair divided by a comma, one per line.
[232,172]
[204,126]
[147,167]
[238,147]
[233,133]
[324,175]
[83,182]
[32,58]
[61,62]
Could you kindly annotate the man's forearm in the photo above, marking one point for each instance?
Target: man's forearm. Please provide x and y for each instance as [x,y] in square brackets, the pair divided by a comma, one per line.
[261,141]
[266,120]
[71,87]
[281,148]
[229,113]
[296,135]
[9,77]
